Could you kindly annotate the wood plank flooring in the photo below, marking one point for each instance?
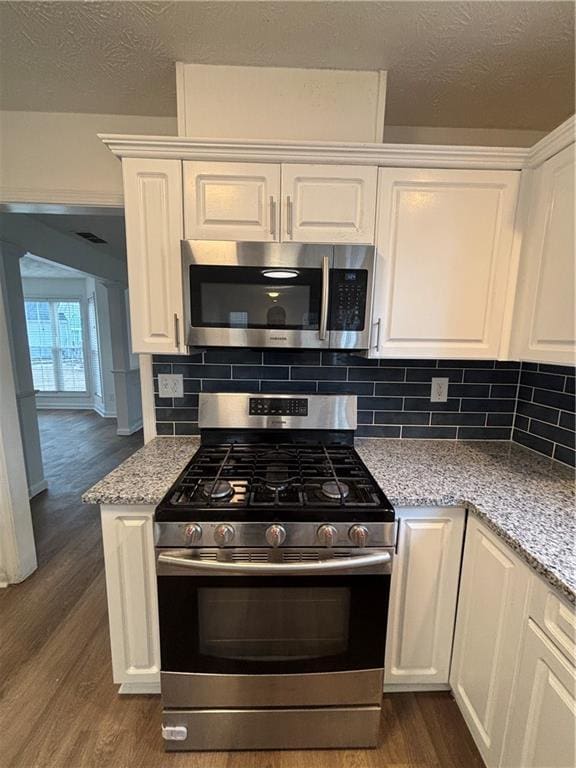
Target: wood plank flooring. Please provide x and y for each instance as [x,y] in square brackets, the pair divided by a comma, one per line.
[58,705]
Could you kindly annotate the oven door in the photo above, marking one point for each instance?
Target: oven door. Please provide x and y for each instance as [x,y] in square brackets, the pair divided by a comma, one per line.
[256,294]
[272,634]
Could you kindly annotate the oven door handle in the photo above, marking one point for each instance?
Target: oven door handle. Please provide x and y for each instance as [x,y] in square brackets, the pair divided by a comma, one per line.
[323,331]
[329,565]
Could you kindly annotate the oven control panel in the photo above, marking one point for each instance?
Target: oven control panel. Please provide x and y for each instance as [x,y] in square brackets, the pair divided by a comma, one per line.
[348,289]
[278,406]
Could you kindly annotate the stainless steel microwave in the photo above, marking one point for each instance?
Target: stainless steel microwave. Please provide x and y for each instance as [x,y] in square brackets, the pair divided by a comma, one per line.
[277,294]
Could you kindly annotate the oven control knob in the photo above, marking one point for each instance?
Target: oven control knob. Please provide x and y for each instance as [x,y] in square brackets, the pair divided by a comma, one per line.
[193,534]
[223,535]
[275,535]
[327,535]
[358,535]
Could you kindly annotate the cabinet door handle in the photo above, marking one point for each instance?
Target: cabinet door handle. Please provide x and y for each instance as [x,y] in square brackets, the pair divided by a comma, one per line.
[289,216]
[323,331]
[177,330]
[378,325]
[272,216]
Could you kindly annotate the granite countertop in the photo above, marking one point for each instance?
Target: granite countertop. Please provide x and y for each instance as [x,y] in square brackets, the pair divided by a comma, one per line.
[528,500]
[145,477]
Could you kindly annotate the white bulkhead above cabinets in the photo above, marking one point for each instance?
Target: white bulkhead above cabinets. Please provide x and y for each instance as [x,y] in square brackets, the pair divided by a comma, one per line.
[474,246]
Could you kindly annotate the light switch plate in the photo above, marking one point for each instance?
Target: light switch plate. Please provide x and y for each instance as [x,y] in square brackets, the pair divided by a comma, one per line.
[439,392]
[170,385]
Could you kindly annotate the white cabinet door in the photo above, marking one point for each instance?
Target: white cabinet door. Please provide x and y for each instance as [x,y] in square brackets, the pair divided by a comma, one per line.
[544,320]
[231,201]
[128,539]
[423,597]
[541,732]
[489,627]
[444,241]
[328,203]
[153,211]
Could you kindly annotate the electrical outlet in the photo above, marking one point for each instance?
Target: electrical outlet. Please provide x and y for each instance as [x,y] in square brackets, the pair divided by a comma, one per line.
[439,392]
[170,385]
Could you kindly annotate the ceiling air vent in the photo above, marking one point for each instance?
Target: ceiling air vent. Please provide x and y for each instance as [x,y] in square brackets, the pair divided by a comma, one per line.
[91,237]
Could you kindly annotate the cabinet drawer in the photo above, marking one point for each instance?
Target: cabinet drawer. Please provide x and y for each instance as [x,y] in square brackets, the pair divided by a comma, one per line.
[555,618]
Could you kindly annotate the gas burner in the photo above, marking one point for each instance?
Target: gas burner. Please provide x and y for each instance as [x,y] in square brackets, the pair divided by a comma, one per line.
[335,490]
[277,477]
[217,489]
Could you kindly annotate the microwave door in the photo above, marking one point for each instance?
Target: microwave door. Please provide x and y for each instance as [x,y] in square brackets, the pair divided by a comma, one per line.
[256,294]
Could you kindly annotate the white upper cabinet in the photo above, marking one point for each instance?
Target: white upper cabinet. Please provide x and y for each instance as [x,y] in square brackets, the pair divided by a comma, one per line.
[231,201]
[328,203]
[423,597]
[544,320]
[153,211]
[270,202]
[443,282]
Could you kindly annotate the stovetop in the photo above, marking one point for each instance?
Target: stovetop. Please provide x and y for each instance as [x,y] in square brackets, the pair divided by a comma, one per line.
[255,481]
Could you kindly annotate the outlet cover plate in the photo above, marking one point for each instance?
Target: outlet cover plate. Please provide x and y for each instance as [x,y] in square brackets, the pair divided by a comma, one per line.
[439,391]
[170,385]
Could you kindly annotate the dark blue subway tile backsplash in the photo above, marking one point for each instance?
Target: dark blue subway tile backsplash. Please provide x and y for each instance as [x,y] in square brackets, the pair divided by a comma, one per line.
[544,419]
[530,403]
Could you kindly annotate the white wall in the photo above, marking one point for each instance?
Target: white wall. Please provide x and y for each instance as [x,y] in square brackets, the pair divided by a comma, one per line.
[17,550]
[15,317]
[55,157]
[106,405]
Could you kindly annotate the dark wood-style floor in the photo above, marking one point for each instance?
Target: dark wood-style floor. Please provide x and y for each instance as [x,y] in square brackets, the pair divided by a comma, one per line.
[58,706]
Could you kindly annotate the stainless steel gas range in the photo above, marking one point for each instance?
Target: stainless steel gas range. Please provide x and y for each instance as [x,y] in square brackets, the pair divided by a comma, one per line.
[274,552]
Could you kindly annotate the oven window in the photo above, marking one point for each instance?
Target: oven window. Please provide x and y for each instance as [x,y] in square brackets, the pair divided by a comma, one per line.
[244,297]
[272,625]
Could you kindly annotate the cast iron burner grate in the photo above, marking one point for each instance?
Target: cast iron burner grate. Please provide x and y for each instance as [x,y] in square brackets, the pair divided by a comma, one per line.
[308,475]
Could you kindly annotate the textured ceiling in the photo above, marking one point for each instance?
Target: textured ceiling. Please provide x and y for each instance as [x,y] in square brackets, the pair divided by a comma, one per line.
[459,64]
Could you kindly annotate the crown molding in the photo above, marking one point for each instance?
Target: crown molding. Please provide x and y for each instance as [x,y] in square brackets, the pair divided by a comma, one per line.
[554,142]
[328,153]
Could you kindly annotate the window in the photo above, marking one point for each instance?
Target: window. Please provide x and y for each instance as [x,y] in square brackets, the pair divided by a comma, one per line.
[94,347]
[56,345]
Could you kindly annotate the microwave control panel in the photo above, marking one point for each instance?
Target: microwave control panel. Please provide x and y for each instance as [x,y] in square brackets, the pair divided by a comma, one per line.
[348,289]
[278,406]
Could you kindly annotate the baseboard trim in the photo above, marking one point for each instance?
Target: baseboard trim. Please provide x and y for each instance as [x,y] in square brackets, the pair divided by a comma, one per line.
[416,687]
[104,413]
[133,689]
[34,490]
[125,431]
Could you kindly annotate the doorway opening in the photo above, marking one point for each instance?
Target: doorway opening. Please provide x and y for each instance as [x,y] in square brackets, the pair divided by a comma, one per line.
[77,381]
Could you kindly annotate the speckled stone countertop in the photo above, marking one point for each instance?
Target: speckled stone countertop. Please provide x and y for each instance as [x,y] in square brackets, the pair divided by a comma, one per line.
[145,477]
[526,499]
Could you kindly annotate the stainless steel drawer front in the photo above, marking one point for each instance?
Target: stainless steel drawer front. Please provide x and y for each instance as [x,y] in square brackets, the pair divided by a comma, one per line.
[359,687]
[229,729]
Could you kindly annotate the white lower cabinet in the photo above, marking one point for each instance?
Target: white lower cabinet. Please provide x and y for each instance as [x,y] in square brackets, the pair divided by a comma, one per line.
[514,667]
[489,629]
[128,539]
[541,731]
[423,597]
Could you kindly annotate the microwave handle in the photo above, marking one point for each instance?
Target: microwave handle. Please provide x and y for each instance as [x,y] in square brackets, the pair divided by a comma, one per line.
[323,332]
[330,565]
